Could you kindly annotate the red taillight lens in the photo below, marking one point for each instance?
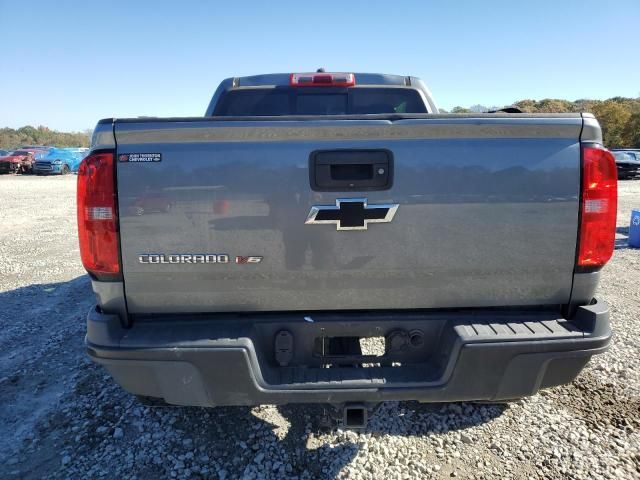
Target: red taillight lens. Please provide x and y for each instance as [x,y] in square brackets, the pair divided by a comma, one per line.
[599,207]
[97,216]
[322,80]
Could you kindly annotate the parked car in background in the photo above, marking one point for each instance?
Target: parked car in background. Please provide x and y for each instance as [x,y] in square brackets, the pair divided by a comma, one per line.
[627,162]
[4,153]
[18,161]
[59,161]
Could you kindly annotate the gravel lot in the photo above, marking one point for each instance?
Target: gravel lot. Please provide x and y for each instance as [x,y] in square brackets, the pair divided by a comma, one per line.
[63,417]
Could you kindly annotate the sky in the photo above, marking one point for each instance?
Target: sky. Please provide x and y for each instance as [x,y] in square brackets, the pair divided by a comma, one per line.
[67,64]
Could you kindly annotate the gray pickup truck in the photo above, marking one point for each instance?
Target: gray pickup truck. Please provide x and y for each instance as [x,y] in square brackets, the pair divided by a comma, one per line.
[254,255]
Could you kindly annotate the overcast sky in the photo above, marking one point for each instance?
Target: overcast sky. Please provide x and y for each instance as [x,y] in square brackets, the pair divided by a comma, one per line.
[68,64]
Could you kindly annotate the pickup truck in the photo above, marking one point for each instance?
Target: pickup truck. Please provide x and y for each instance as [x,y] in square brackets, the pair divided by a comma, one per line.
[315,216]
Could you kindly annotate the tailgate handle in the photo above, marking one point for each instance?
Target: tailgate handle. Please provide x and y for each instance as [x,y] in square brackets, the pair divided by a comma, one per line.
[350,170]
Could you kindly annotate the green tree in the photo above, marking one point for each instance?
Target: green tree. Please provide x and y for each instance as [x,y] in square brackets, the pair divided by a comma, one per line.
[548,105]
[527,106]
[631,133]
[28,135]
[613,118]
[478,109]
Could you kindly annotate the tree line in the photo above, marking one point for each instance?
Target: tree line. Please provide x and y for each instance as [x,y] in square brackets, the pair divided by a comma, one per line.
[14,138]
[619,117]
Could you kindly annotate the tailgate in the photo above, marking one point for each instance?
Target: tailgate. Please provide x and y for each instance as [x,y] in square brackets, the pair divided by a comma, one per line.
[213,215]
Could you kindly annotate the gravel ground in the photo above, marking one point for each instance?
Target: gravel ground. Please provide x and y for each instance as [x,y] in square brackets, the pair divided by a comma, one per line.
[63,417]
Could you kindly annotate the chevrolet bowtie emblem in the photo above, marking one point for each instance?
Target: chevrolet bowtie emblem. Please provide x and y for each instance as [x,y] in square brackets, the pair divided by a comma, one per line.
[351,213]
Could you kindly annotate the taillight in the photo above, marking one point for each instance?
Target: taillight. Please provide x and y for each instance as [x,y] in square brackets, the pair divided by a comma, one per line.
[98,216]
[322,80]
[598,208]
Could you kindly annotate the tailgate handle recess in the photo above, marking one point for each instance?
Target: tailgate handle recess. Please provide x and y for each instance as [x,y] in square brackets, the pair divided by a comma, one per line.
[350,170]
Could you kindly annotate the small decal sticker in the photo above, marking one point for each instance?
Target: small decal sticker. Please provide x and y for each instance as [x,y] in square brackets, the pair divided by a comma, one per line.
[140,157]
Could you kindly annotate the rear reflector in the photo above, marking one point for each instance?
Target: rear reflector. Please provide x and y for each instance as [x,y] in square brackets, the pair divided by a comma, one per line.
[322,80]
[97,216]
[599,207]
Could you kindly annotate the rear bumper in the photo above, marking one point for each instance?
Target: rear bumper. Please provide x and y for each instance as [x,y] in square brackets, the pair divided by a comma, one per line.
[230,360]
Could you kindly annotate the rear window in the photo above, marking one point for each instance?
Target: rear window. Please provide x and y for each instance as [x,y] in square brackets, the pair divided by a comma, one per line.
[256,102]
[324,104]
